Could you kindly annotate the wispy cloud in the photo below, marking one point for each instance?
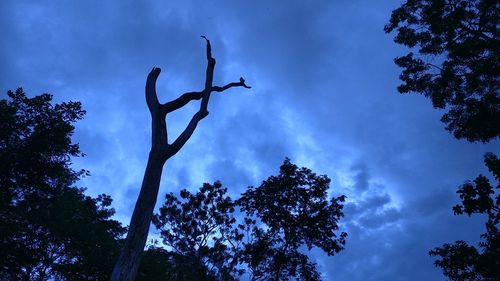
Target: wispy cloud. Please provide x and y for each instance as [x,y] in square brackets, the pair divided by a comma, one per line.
[323,94]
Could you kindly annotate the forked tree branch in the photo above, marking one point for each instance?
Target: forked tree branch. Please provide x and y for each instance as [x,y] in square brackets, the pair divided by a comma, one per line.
[128,262]
[190,96]
[205,96]
[159,111]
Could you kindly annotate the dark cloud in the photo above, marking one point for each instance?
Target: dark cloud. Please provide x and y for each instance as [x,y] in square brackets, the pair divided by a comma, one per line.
[389,240]
[324,94]
[361,178]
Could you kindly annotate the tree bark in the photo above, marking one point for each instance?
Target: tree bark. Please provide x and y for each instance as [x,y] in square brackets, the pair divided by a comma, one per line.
[128,261]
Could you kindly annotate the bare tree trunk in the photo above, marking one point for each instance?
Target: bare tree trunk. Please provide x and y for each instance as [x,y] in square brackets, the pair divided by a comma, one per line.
[128,262]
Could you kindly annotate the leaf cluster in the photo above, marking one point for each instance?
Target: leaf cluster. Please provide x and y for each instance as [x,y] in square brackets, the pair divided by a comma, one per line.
[49,228]
[461,261]
[294,208]
[198,226]
[454,61]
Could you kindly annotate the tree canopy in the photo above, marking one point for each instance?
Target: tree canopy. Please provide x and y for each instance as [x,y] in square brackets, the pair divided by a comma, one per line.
[262,234]
[199,228]
[457,67]
[294,211]
[454,61]
[461,261]
[50,228]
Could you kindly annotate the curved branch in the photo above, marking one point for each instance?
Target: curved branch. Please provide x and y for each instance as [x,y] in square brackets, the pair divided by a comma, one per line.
[159,136]
[151,97]
[186,134]
[230,85]
[181,101]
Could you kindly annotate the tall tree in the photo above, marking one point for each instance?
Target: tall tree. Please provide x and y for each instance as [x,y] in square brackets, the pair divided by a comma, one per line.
[284,214]
[457,67]
[128,261]
[461,261]
[200,229]
[287,212]
[49,228]
[457,61]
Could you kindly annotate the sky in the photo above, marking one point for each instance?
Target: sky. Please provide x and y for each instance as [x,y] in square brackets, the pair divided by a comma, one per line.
[323,94]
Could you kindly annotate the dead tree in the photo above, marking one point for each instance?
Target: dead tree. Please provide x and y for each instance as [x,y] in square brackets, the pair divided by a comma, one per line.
[128,262]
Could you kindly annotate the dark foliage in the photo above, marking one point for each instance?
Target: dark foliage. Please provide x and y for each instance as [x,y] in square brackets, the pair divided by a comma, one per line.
[284,214]
[460,261]
[292,211]
[457,61]
[457,67]
[199,229]
[155,265]
[49,228]
[158,264]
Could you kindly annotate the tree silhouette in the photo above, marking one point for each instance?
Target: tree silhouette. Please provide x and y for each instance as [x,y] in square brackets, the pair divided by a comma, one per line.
[457,65]
[49,229]
[289,211]
[128,261]
[200,230]
[461,261]
[284,214]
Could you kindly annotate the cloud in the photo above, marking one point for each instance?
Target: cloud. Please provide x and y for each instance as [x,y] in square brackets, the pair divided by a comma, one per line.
[323,93]
[387,240]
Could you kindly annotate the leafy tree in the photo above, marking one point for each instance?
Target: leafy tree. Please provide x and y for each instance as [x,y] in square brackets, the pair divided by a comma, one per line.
[200,231]
[293,212]
[128,261]
[281,216]
[461,261]
[49,228]
[456,63]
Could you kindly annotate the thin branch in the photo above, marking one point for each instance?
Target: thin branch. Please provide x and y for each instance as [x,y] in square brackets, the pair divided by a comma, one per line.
[209,47]
[190,96]
[186,134]
[476,32]
[181,101]
[435,66]
[232,84]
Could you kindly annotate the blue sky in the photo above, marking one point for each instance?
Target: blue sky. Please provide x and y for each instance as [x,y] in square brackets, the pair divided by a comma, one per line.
[324,94]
